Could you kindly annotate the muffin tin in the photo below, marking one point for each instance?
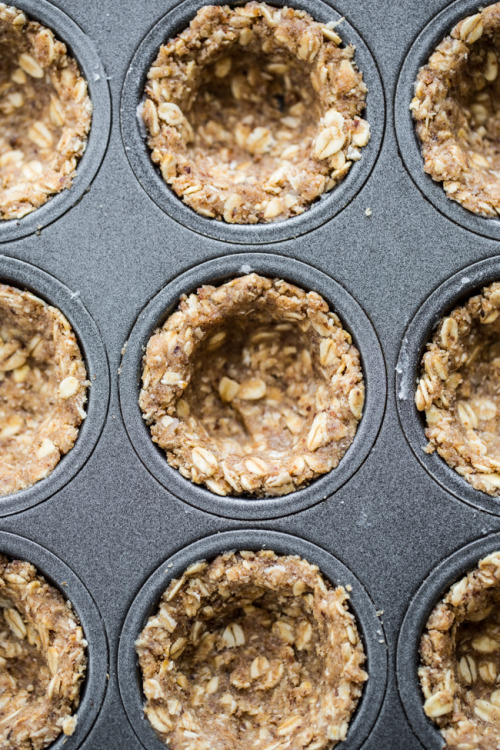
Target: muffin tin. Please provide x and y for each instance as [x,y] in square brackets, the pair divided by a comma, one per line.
[113,521]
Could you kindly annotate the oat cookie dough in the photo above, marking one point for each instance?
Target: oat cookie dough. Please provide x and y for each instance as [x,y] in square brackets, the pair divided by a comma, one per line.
[460,660]
[458,390]
[45,114]
[253,112]
[43,384]
[457,112]
[42,659]
[252,387]
[252,651]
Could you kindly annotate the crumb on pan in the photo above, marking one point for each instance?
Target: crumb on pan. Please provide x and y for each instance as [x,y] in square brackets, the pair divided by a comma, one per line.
[458,390]
[42,659]
[45,114]
[460,660]
[252,387]
[254,651]
[456,104]
[43,386]
[253,112]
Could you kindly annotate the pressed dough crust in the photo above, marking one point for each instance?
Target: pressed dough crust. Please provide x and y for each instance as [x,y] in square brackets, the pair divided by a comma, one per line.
[42,659]
[253,112]
[252,387]
[43,385]
[458,390]
[45,114]
[460,660]
[253,651]
[457,112]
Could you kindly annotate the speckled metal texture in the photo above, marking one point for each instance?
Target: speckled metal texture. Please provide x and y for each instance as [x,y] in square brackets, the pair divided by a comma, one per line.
[396,523]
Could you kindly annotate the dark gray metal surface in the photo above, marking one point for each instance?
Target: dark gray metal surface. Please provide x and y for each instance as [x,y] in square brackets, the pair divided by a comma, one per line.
[390,523]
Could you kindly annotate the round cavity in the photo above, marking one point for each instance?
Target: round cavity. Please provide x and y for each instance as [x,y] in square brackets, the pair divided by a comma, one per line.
[460,659]
[43,385]
[252,387]
[45,114]
[253,112]
[251,648]
[458,390]
[42,657]
[456,109]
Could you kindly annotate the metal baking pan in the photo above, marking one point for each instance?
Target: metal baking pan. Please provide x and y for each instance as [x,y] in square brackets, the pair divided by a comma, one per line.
[115,252]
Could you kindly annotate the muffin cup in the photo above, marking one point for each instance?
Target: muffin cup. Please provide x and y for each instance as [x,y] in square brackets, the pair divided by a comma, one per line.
[408,140]
[429,593]
[81,48]
[352,318]
[451,293]
[25,276]
[139,155]
[57,573]
[146,603]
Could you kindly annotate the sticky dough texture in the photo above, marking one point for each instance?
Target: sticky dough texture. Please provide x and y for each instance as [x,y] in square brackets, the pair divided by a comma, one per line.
[253,112]
[251,650]
[458,390]
[42,659]
[252,387]
[43,385]
[457,112]
[45,114]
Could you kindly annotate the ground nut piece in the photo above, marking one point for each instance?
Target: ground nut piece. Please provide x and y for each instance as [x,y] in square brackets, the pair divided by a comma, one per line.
[458,390]
[45,112]
[254,137]
[455,110]
[41,646]
[252,387]
[263,644]
[43,386]
[460,660]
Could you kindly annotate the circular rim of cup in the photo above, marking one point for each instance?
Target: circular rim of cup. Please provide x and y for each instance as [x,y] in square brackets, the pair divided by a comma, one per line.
[451,293]
[56,572]
[81,47]
[149,176]
[147,599]
[431,590]
[217,271]
[408,142]
[23,276]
